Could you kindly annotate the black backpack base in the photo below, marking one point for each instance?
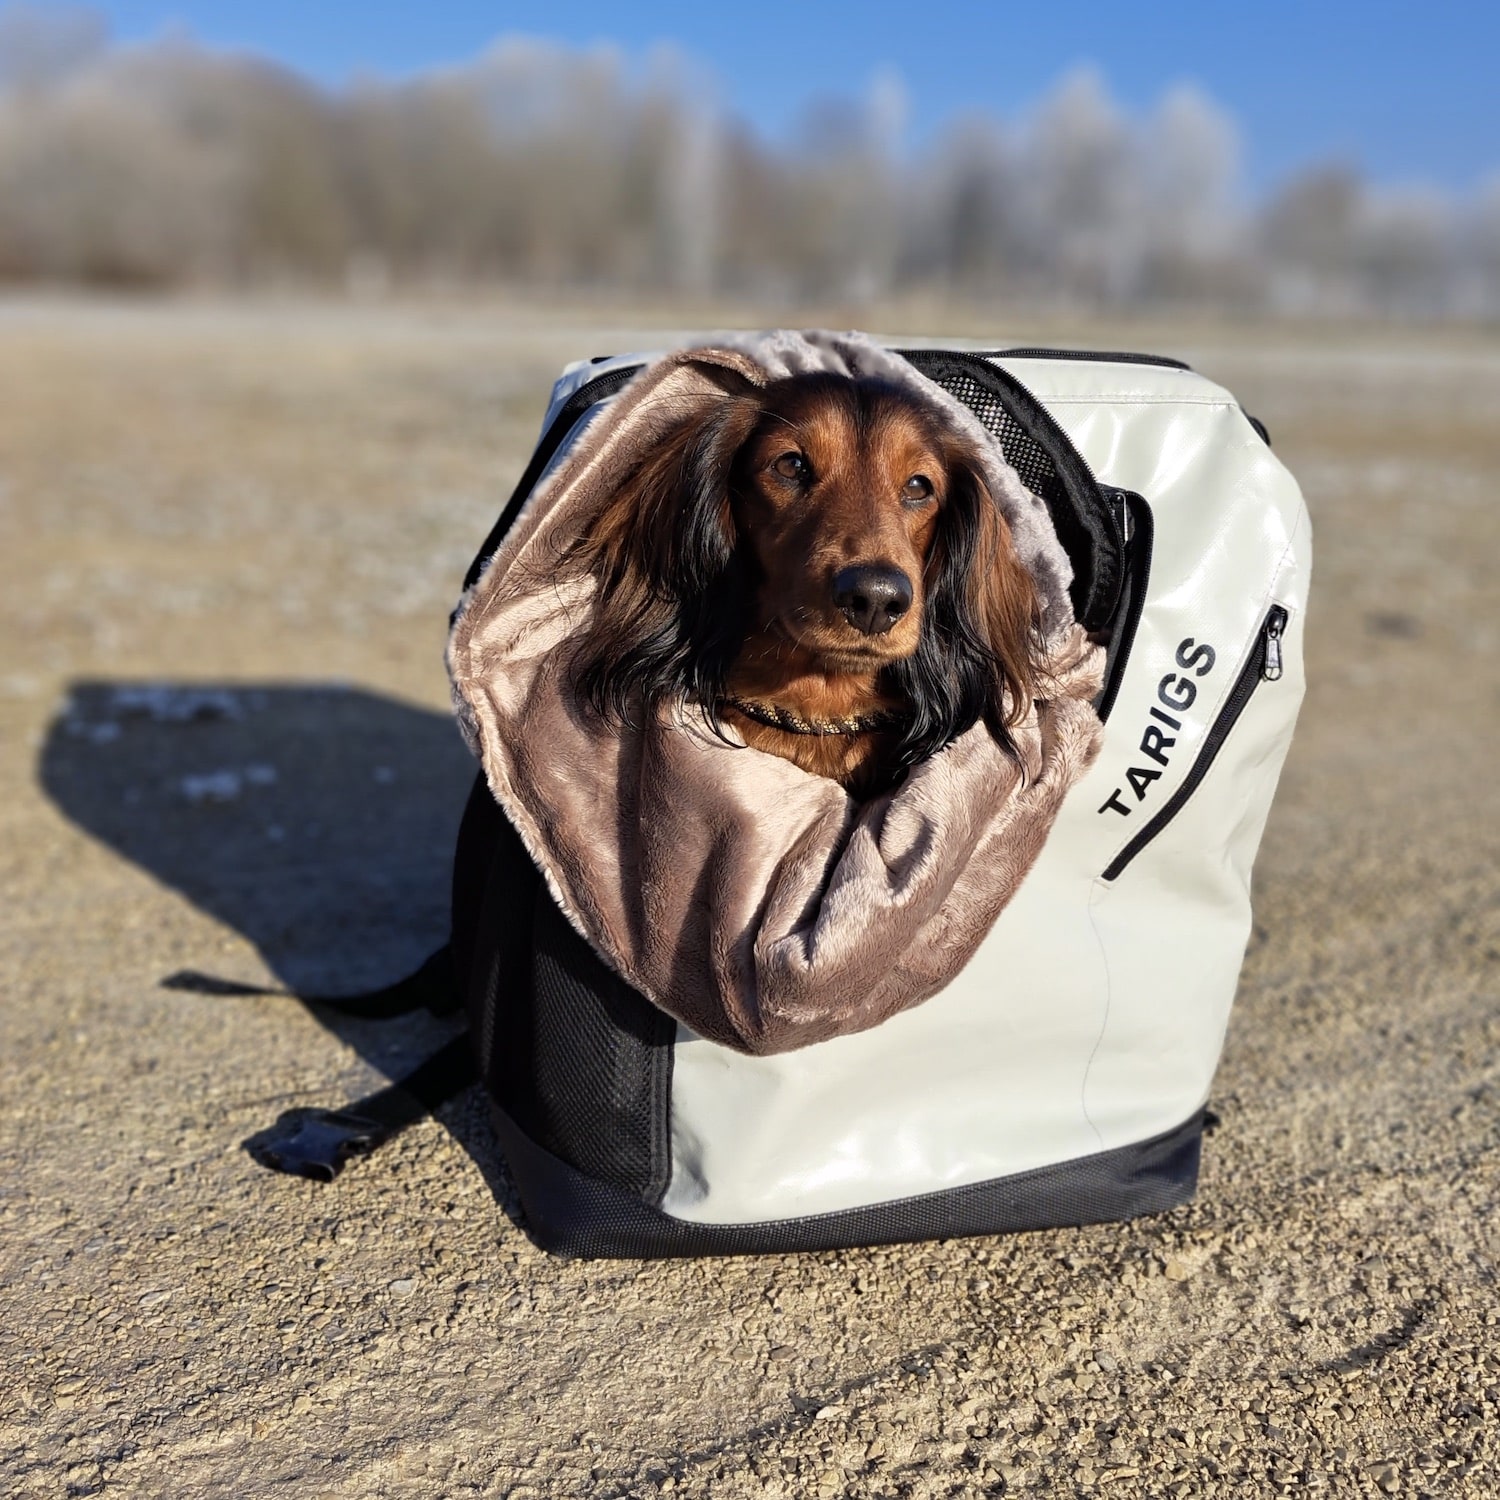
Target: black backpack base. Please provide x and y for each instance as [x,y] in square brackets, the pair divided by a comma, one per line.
[570,1214]
[596,1109]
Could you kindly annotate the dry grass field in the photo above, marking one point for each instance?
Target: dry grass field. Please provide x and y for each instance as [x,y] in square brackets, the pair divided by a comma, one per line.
[229,537]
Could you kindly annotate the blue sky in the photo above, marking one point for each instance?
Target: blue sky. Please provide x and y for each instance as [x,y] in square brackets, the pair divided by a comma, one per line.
[1408,92]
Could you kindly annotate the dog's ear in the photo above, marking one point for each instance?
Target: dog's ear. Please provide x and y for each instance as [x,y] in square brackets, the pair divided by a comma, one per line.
[1002,597]
[669,608]
[976,658]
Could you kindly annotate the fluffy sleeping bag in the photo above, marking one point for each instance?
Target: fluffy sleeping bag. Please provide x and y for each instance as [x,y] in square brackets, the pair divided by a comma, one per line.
[757,904]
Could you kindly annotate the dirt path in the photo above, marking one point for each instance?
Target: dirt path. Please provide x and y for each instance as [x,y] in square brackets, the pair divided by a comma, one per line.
[265,513]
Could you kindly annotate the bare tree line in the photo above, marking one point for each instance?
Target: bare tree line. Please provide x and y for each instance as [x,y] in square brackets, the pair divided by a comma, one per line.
[169,164]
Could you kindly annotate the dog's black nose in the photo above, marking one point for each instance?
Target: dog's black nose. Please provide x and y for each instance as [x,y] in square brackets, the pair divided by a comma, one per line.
[872,597]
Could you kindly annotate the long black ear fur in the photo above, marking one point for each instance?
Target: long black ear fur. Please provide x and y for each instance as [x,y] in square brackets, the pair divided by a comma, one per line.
[674,598]
[954,679]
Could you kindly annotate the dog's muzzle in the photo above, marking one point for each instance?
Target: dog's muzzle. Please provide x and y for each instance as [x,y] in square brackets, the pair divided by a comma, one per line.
[872,597]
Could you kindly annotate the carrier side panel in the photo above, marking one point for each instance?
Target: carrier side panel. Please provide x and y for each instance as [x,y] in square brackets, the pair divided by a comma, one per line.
[1030,1056]
[1170,1000]
[982,1081]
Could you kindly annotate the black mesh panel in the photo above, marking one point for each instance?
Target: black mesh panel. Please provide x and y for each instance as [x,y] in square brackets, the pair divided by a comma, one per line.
[579,1060]
[601,1063]
[1022,451]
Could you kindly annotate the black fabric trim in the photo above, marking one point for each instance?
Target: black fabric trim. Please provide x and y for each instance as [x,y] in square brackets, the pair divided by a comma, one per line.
[1133,600]
[578,1058]
[1259,426]
[474,851]
[1081,515]
[1091,356]
[600,388]
[498,960]
[572,1214]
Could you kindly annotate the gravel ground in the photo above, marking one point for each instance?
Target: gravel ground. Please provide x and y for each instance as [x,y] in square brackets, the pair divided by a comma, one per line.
[228,541]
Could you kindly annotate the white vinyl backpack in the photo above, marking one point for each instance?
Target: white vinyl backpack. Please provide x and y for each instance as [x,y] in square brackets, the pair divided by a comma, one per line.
[1062,1076]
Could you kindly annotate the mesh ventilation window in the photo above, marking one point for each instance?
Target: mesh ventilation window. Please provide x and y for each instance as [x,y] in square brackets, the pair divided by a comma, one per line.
[1022,452]
[600,1063]
[578,1059]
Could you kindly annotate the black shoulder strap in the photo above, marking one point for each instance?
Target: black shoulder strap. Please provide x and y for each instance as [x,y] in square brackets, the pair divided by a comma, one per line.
[317,1143]
[431,986]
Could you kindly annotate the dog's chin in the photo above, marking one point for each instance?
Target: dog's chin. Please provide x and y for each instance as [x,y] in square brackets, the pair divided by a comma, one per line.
[854,663]
[853,655]
[855,658]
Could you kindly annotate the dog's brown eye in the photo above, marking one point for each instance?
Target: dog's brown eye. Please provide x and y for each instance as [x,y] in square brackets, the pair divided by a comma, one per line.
[918,488]
[791,466]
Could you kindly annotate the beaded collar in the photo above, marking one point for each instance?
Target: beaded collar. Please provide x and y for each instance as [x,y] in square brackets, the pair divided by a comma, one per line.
[785,719]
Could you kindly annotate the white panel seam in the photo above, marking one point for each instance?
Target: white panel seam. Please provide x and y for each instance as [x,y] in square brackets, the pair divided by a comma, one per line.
[1083,1086]
[1136,398]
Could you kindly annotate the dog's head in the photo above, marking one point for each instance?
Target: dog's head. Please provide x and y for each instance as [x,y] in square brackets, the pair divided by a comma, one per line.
[843,520]
[836,496]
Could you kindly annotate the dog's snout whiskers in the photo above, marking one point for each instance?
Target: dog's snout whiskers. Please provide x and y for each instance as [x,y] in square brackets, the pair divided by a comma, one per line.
[872,597]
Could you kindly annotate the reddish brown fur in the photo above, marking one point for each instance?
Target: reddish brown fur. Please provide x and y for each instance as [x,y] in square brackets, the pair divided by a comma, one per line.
[863,446]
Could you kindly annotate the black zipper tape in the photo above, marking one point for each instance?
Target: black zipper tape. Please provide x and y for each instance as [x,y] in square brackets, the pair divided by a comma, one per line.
[1092,356]
[600,388]
[1264,665]
[1137,578]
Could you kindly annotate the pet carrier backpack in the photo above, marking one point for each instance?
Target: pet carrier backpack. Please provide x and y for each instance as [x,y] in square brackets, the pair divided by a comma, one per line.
[1061,1076]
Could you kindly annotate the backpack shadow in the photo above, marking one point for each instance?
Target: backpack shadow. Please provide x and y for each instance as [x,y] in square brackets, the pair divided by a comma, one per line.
[316,820]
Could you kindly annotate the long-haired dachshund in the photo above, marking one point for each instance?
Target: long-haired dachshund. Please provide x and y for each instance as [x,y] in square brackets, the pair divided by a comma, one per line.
[819,564]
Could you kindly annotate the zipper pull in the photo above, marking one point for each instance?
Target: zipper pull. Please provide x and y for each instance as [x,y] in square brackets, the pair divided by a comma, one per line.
[1270,667]
[1119,502]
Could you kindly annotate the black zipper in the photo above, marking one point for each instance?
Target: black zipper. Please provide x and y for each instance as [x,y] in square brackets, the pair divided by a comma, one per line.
[600,388]
[1095,356]
[1140,529]
[1264,665]
[1088,528]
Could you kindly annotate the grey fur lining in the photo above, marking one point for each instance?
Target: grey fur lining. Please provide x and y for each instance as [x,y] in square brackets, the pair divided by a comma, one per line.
[754,902]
